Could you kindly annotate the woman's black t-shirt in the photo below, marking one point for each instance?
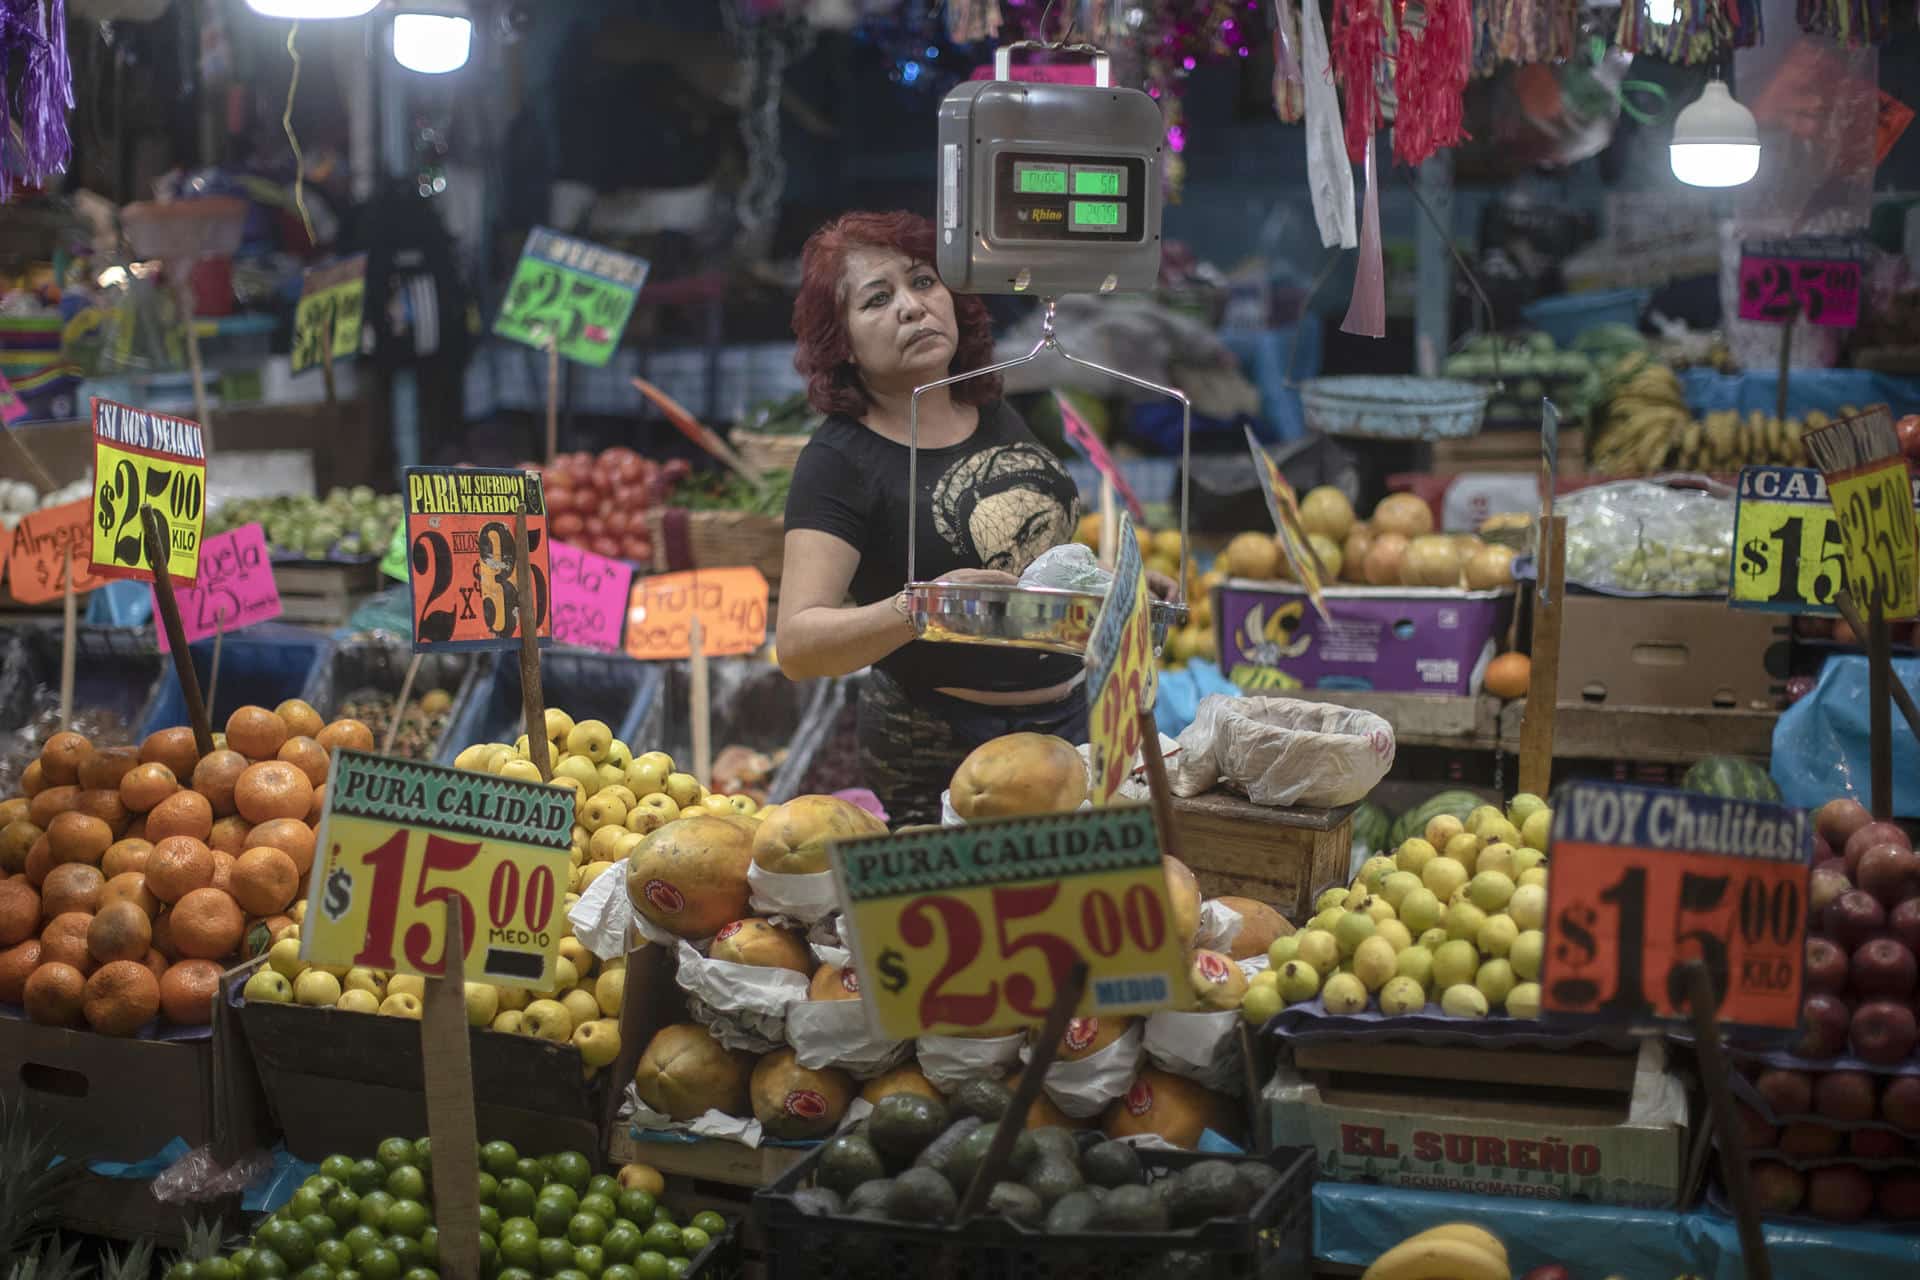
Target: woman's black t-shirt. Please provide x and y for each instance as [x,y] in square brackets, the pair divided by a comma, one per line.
[996,500]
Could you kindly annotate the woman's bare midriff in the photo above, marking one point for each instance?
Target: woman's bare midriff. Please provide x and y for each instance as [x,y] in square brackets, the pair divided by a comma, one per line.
[1018,698]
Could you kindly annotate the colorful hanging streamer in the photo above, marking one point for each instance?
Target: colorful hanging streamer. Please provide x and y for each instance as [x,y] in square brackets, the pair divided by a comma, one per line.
[1523,31]
[34,144]
[1359,38]
[1851,22]
[1701,30]
[1430,76]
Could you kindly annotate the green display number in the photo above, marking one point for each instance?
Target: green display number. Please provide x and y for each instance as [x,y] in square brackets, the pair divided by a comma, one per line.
[1096,182]
[1092,213]
[1031,181]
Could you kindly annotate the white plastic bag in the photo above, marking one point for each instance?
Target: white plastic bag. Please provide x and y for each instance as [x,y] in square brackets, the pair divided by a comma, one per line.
[950,1061]
[1219,926]
[833,1033]
[744,1130]
[1282,751]
[1329,172]
[1087,1087]
[1203,1047]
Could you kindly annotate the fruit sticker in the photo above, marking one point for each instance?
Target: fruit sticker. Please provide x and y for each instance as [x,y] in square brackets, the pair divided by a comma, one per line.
[1646,881]
[806,1104]
[850,981]
[725,933]
[399,840]
[146,461]
[1082,1032]
[1140,1098]
[666,898]
[463,559]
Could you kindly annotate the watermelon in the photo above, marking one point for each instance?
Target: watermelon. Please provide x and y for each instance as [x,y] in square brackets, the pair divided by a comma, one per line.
[1370,826]
[1413,822]
[1730,778]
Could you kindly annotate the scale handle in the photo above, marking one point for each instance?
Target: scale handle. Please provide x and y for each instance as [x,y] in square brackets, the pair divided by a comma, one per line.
[1003,62]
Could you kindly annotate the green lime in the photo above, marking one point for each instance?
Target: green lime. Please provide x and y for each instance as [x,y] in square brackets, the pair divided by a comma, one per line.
[663,1214]
[393,1153]
[489,1255]
[693,1240]
[305,1201]
[337,1167]
[519,1244]
[407,1183]
[367,1175]
[405,1248]
[599,1206]
[381,1263]
[421,1273]
[351,1273]
[677,1267]
[318,1227]
[531,1170]
[515,1198]
[604,1184]
[408,1218]
[710,1222]
[590,1259]
[489,1187]
[651,1265]
[238,1259]
[572,1273]
[314,1271]
[362,1240]
[663,1237]
[182,1270]
[498,1159]
[374,1208]
[334,1253]
[622,1242]
[619,1271]
[490,1220]
[551,1216]
[343,1206]
[573,1169]
[217,1268]
[516,1273]
[423,1152]
[636,1206]
[430,1247]
[586,1228]
[556,1255]
[293,1244]
[265,1264]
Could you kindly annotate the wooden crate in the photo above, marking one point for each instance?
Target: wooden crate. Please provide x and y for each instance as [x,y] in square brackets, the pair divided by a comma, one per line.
[1508,451]
[324,595]
[1273,855]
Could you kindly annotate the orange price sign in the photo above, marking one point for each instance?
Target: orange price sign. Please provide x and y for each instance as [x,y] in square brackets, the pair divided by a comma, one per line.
[462,559]
[37,560]
[730,603]
[1646,881]
[1122,679]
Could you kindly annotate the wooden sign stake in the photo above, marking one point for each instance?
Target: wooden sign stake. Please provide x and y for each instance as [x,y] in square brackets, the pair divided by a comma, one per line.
[1726,1123]
[700,705]
[1879,702]
[1109,526]
[1065,1001]
[553,398]
[69,619]
[1157,781]
[47,482]
[447,1065]
[400,708]
[219,639]
[185,294]
[1901,698]
[326,358]
[1543,687]
[154,527]
[1786,363]
[533,698]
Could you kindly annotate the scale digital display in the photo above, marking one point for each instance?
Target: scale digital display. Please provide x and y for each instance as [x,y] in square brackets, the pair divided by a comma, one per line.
[1040,197]
[1098,215]
[1089,181]
[1039,180]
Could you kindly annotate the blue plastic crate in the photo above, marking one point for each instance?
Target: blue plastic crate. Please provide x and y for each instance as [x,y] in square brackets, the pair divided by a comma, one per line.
[585,685]
[262,666]
[116,671]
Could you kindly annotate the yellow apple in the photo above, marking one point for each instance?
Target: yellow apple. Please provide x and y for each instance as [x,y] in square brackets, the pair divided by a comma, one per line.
[509,1022]
[483,1003]
[284,959]
[268,986]
[598,1041]
[548,1020]
[317,989]
[409,984]
[358,1001]
[581,1005]
[609,990]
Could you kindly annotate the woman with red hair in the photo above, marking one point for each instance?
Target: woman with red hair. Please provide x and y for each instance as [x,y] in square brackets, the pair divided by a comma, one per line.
[872,322]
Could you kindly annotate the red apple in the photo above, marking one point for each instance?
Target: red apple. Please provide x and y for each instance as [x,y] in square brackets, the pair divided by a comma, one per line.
[1826,966]
[1900,1103]
[636,549]
[1827,881]
[1882,1032]
[1754,1128]
[1847,1096]
[1840,1193]
[602,545]
[1798,687]
[1904,922]
[1836,820]
[1787,1093]
[1883,967]
[1908,429]
[1777,1187]
[569,526]
[1899,1196]
[1853,917]
[1810,1141]
[1824,1023]
[1888,872]
[1868,836]
[1875,1144]
[1843,633]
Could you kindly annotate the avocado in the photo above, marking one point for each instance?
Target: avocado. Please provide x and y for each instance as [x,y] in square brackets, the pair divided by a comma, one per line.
[846,1162]
[1073,1213]
[971,1154]
[922,1195]
[1050,1179]
[1206,1190]
[987,1099]
[940,1150]
[1113,1164]
[1056,1143]
[1132,1209]
[816,1201]
[1088,1139]
[1255,1177]
[869,1199]
[1016,1204]
[903,1124]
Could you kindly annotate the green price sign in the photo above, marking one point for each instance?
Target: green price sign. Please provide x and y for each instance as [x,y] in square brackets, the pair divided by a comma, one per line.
[571,294]
[333,302]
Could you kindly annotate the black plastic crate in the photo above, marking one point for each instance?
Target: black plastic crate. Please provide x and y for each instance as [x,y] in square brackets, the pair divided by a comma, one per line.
[378,661]
[1272,1241]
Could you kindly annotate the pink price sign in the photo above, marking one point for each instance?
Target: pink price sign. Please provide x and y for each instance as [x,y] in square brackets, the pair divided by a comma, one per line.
[1081,432]
[12,407]
[235,588]
[1823,290]
[590,598]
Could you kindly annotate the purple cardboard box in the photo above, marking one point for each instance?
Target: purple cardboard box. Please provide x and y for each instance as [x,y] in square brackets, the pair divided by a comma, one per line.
[1384,639]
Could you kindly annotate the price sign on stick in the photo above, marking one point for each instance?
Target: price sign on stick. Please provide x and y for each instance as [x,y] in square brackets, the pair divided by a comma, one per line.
[146,460]
[571,293]
[730,603]
[1817,278]
[12,407]
[333,299]
[236,587]
[590,594]
[1081,432]
[1122,679]
[970,929]
[1788,553]
[1646,880]
[1872,493]
[37,559]
[394,563]
[398,840]
[1285,510]
[462,559]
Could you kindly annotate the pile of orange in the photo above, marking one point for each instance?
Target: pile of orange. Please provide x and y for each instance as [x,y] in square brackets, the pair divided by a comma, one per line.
[123,890]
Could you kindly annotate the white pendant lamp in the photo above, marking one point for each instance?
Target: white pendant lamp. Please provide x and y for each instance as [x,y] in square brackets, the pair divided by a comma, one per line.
[1715,143]
[432,43]
[308,10]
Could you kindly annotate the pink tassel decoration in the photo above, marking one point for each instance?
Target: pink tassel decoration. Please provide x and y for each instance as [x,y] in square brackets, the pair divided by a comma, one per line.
[1359,33]
[37,31]
[1367,312]
[1431,80]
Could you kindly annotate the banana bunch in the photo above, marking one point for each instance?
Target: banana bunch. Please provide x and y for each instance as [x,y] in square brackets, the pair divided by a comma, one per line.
[1645,414]
[1726,441]
[1453,1251]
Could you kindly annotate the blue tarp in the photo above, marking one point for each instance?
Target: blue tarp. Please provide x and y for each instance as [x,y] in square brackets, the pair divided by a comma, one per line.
[1820,744]
[1823,389]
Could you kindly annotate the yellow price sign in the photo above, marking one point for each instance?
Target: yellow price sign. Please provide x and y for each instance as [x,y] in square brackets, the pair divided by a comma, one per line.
[1122,678]
[333,299]
[1788,556]
[399,840]
[973,929]
[145,460]
[1877,529]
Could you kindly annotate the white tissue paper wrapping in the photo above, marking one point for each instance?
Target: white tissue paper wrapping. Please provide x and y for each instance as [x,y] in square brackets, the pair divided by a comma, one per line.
[1071,566]
[1087,1087]
[1203,1047]
[1254,964]
[950,1061]
[1219,926]
[714,1124]
[1282,751]
[603,915]
[743,1005]
[804,900]
[1134,785]
[950,818]
[1329,172]
[833,1033]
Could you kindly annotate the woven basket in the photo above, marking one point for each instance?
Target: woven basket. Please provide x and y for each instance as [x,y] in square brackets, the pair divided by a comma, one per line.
[717,540]
[766,451]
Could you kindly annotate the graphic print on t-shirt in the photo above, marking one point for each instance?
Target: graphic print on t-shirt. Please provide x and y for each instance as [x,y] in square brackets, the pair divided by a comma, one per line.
[1004,506]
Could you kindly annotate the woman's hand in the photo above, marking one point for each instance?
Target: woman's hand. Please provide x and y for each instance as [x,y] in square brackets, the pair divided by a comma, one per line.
[979,578]
[1160,585]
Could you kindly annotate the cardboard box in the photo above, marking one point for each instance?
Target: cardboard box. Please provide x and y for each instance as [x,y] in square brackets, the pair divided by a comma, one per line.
[1386,639]
[1623,1144]
[109,1098]
[1686,654]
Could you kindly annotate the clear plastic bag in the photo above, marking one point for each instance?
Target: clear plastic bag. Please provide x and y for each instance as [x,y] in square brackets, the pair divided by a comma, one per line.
[1649,538]
[196,1176]
[1282,751]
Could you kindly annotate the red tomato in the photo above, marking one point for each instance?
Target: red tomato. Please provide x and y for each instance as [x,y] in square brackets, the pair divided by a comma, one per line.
[568,526]
[636,548]
[1908,429]
[605,546]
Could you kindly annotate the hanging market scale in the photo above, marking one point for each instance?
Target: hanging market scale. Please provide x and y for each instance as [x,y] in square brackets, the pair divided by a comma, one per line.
[1045,189]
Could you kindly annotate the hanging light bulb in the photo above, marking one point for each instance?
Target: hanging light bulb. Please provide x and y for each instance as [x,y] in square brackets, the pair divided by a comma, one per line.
[1715,143]
[432,38]
[307,10]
